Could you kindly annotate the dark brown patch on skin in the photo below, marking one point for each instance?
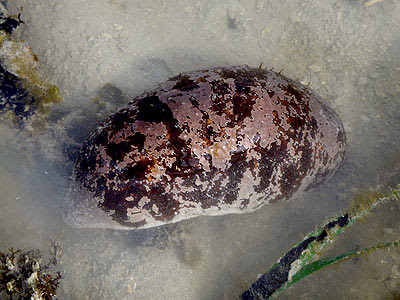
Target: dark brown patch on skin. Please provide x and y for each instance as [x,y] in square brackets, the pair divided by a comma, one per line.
[295,92]
[138,170]
[101,138]
[296,122]
[194,101]
[243,78]
[267,164]
[120,119]
[114,201]
[276,120]
[152,110]
[218,105]
[235,173]
[184,83]
[210,142]
[242,107]
[118,151]
[270,93]
[220,87]
[138,140]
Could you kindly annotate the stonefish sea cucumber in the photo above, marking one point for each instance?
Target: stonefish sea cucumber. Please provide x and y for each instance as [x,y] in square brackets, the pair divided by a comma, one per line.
[209,142]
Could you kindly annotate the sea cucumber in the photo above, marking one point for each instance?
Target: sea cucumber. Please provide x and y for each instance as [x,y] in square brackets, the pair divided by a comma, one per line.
[208,142]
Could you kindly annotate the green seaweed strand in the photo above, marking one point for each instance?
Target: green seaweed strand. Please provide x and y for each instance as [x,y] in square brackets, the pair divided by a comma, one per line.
[295,264]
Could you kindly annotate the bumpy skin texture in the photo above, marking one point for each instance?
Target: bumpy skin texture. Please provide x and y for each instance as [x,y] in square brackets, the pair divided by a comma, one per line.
[208,142]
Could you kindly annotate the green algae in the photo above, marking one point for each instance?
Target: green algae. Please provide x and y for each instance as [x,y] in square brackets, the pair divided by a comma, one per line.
[18,59]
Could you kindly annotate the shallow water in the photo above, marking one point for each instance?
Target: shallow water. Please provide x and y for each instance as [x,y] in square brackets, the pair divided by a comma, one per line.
[347,51]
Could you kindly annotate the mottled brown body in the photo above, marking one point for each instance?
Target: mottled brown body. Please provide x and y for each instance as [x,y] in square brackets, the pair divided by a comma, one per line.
[209,142]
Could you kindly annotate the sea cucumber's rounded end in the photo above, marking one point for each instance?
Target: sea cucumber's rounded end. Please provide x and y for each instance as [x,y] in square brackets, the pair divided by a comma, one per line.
[80,210]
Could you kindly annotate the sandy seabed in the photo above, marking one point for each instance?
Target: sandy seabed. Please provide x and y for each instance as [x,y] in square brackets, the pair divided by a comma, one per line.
[347,51]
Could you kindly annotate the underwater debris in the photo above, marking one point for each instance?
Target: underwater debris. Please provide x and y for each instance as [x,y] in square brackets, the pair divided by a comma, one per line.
[13,97]
[23,275]
[23,90]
